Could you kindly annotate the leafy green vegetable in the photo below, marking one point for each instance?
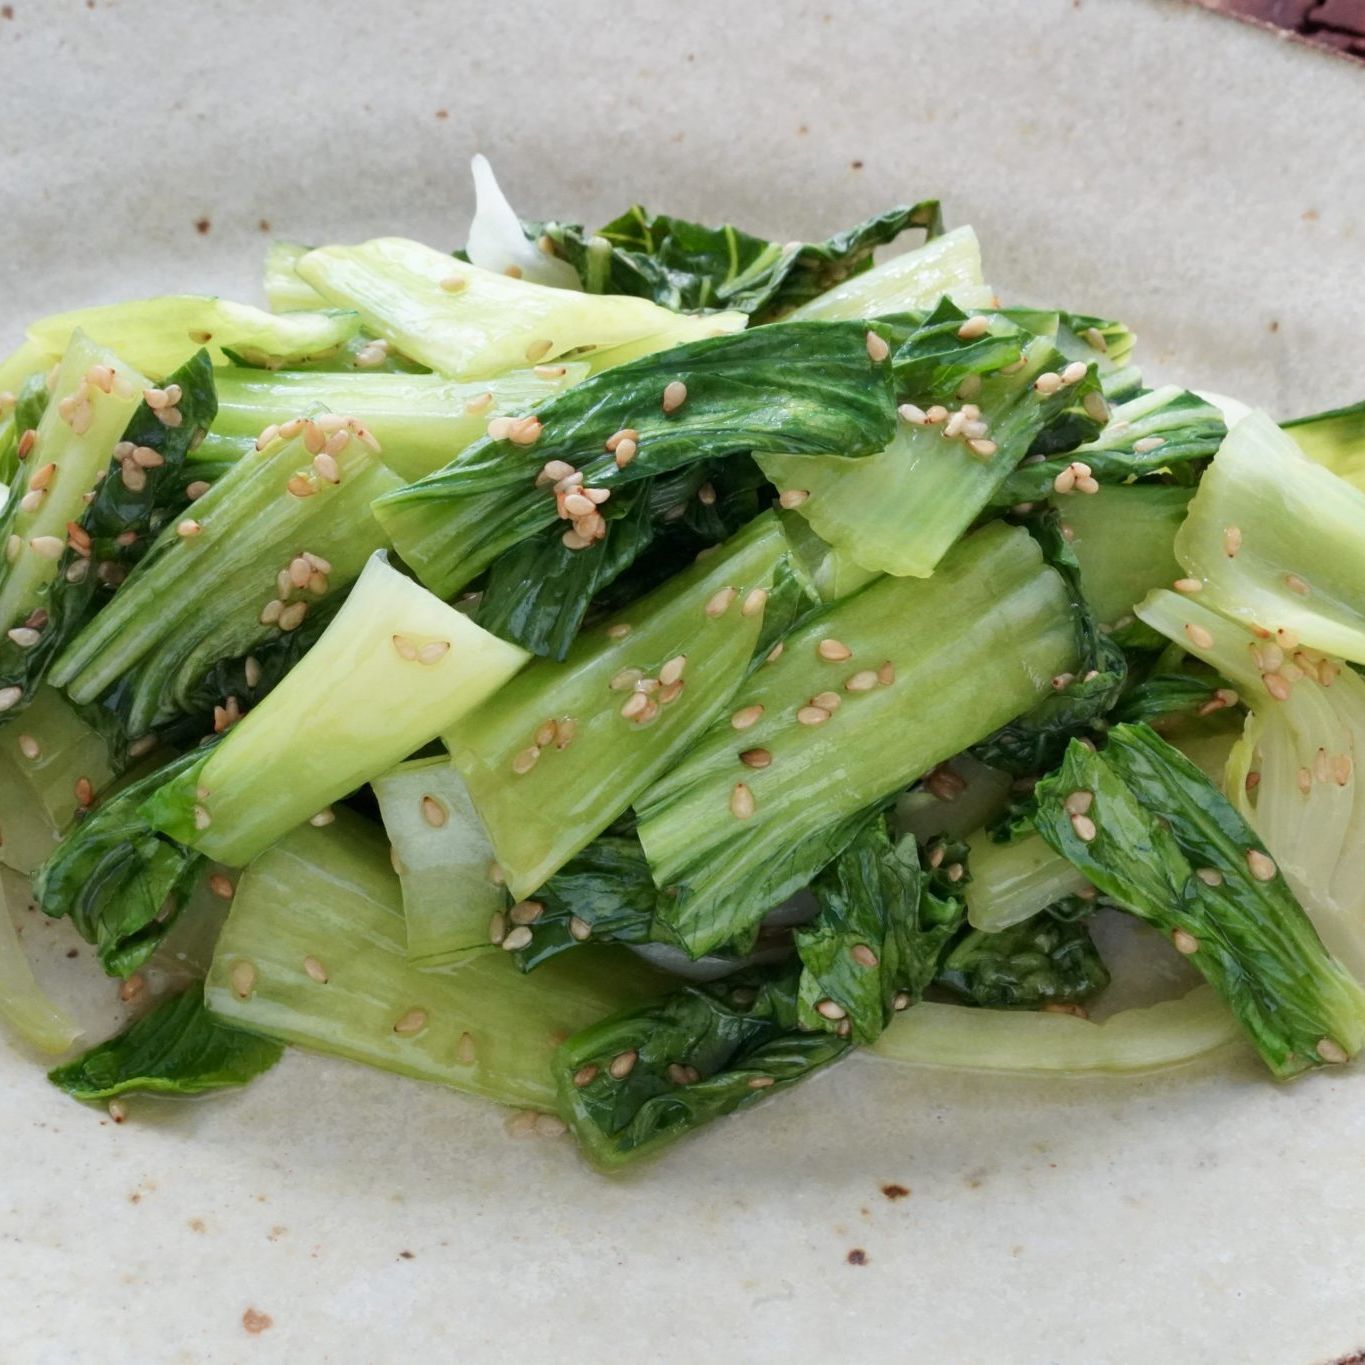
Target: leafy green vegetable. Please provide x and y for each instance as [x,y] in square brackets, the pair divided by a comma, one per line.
[421,421]
[284,288]
[23,1005]
[206,590]
[120,881]
[785,387]
[773,792]
[469,323]
[1163,429]
[176,1049]
[313,954]
[1278,541]
[1038,961]
[1107,344]
[683,265]
[1151,825]
[1150,1038]
[159,335]
[631,1085]
[555,756]
[1335,440]
[443,858]
[392,647]
[1012,882]
[878,937]
[900,511]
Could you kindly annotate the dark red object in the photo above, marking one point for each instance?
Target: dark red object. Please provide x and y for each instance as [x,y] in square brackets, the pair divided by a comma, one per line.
[1338,25]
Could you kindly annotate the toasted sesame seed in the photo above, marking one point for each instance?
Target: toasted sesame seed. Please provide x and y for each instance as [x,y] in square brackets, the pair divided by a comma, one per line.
[29,747]
[673,669]
[1341,769]
[526,912]
[433,812]
[525,761]
[196,490]
[323,818]
[1305,780]
[410,1022]
[625,680]
[719,603]
[635,705]
[1096,339]
[24,636]
[1296,584]
[47,547]
[576,505]
[1261,865]
[982,447]
[1074,372]
[742,804]
[909,412]
[675,395]
[32,501]
[974,327]
[10,697]
[1095,405]
[1277,685]
[877,349]
[465,1050]
[242,978]
[706,495]
[681,1074]
[1198,636]
[525,431]
[970,386]
[1084,827]
[579,929]
[1185,942]
[862,681]
[452,284]
[497,927]
[1232,540]
[812,715]
[625,453]
[792,497]
[26,443]
[84,791]
[573,541]
[827,701]
[863,955]
[301,486]
[538,350]
[830,1009]
[517,939]
[597,496]
[1079,802]
[42,477]
[936,414]
[775,653]
[586,1075]
[955,425]
[1065,481]
[499,428]
[118,1111]
[886,674]
[619,631]
[327,467]
[834,651]
[671,692]
[1332,1052]
[756,758]
[291,617]
[759,1082]
[1048,383]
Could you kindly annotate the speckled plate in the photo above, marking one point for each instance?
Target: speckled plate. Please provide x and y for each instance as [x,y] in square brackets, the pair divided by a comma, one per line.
[1142,159]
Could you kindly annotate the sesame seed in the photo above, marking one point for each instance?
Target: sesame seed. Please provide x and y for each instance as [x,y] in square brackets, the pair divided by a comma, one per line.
[759,1082]
[756,758]
[465,1050]
[1277,685]
[1095,405]
[625,453]
[32,501]
[452,284]
[1048,383]
[625,680]
[525,431]
[24,636]
[300,486]
[681,1074]
[1188,585]
[719,603]
[291,617]
[831,1009]
[982,447]
[1185,943]
[936,414]
[538,350]
[742,804]
[242,978]
[635,705]
[1305,781]
[1261,865]
[1341,769]
[327,467]
[1198,636]
[1074,373]
[1084,827]
[1079,802]
[877,349]
[812,715]
[886,674]
[499,428]
[974,327]
[954,872]
[625,434]
[908,412]
[862,681]
[675,395]
[754,602]
[84,791]
[792,497]
[706,495]
[526,912]
[1096,339]
[410,1022]
[619,631]
[863,955]
[525,761]
[517,939]
[623,1063]
[671,692]
[834,651]
[827,701]
[576,505]
[585,1075]
[196,490]
[673,669]
[970,387]
[1331,1052]
[597,496]
[573,541]
[42,477]
[1232,540]
[29,747]
[775,653]
[1065,481]
[1296,584]
[26,443]
[579,929]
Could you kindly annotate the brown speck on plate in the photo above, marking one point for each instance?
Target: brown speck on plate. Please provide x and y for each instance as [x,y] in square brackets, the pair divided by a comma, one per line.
[407,1255]
[202,225]
[256,1322]
[73,952]
[6,11]
[196,1225]
[264,225]
[895,1191]
[857,1256]
[857,165]
[443,113]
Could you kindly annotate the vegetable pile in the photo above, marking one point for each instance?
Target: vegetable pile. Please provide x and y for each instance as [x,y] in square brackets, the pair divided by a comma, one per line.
[622,673]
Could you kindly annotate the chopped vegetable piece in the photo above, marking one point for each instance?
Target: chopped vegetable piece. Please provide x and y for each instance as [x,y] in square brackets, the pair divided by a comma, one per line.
[1150,1038]
[392,648]
[176,1049]
[313,954]
[1039,961]
[444,860]
[1335,440]
[1000,626]
[1148,829]
[160,335]
[24,1007]
[498,241]
[1012,882]
[562,750]
[285,289]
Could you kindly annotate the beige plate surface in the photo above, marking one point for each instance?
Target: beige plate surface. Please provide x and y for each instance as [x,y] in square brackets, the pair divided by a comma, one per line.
[1135,158]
